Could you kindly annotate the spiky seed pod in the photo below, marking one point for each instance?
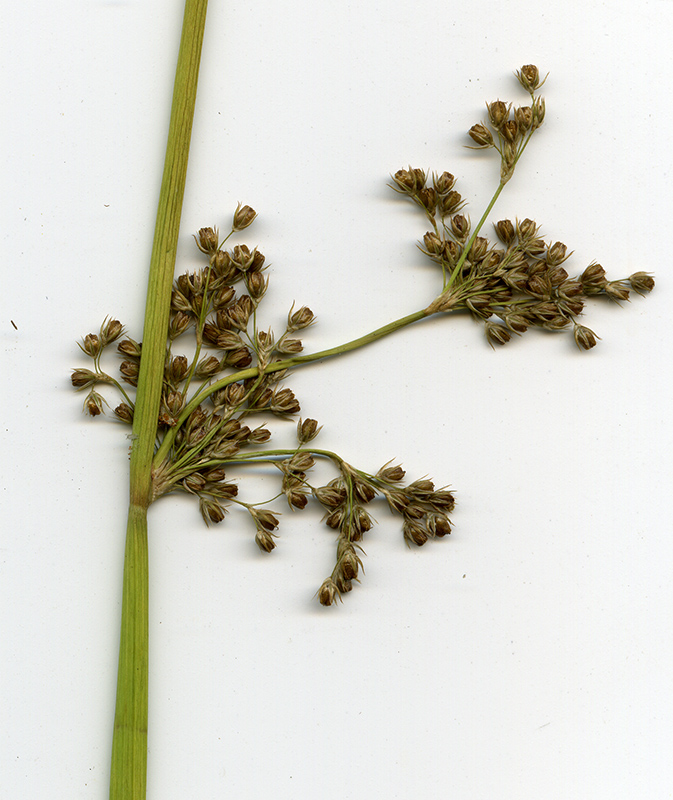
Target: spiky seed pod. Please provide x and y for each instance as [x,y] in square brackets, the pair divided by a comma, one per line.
[460,227]
[450,203]
[330,497]
[129,348]
[264,540]
[83,378]
[523,117]
[93,404]
[211,510]
[444,183]
[110,331]
[497,334]
[481,135]
[641,282]
[497,113]
[428,199]
[259,435]
[307,430]
[223,297]
[617,291]
[243,216]
[92,345]
[529,77]
[284,402]
[207,240]
[585,338]
[289,346]
[178,324]
[510,130]
[124,412]
[505,230]
[414,532]
[391,474]
[328,592]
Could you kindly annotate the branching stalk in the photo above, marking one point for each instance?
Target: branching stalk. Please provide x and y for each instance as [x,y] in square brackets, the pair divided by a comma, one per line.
[128,775]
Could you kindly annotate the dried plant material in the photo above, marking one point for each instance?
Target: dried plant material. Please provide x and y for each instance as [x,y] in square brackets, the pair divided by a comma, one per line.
[194,417]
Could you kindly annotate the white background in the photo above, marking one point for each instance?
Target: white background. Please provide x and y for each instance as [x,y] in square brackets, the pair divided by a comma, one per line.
[529,655]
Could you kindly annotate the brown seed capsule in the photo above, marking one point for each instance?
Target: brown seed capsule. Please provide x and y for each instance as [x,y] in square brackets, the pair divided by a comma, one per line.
[257,284]
[523,117]
[307,430]
[433,245]
[460,226]
[510,130]
[557,254]
[348,565]
[240,358]
[243,216]
[538,112]
[414,533]
[584,337]
[505,231]
[129,371]
[223,297]
[92,345]
[406,181]
[444,183]
[266,519]
[391,474]
[593,279]
[641,282]
[178,324]
[211,510]
[82,378]
[124,412]
[328,592]
[289,347]
[617,291]
[177,369]
[93,404]
[264,540]
[207,240]
[428,199]
[330,497]
[450,202]
[110,330]
[441,526]
[497,334]
[481,135]
[529,77]
[129,348]
[336,518]
[479,249]
[526,229]
[300,319]
[284,402]
[497,113]
[207,367]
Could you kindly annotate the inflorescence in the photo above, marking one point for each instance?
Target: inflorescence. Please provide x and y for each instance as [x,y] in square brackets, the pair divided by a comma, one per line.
[234,375]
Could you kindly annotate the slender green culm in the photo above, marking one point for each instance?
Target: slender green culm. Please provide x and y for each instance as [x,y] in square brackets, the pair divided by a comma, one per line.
[128,774]
[190,415]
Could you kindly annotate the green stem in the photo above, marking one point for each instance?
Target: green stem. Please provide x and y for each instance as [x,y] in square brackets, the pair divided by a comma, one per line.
[277,366]
[466,250]
[128,773]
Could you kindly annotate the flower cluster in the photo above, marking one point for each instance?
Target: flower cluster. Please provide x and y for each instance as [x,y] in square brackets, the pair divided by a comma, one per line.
[233,375]
[520,281]
[234,371]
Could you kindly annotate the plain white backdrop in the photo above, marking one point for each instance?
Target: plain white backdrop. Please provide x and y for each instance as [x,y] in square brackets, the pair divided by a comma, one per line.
[529,655]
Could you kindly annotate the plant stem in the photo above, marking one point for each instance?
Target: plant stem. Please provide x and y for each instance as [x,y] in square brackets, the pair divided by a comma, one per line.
[128,774]
[277,366]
